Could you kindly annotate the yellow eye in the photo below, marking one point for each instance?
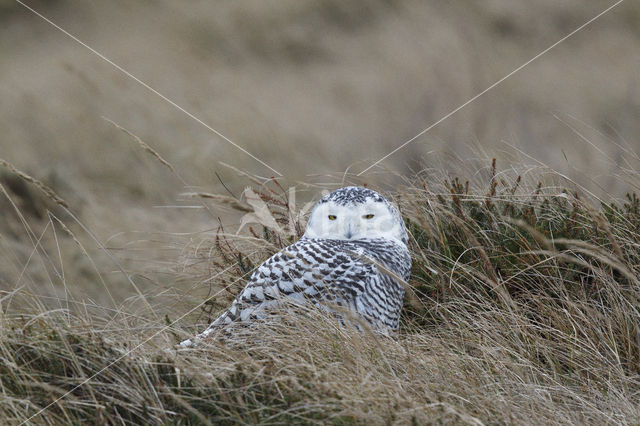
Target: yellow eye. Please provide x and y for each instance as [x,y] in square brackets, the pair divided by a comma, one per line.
[368,216]
[332,217]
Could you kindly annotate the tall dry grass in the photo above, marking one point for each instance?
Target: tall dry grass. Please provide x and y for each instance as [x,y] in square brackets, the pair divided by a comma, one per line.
[523,306]
[524,309]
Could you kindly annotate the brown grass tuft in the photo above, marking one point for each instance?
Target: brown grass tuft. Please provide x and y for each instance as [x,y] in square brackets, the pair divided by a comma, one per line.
[522,310]
[50,193]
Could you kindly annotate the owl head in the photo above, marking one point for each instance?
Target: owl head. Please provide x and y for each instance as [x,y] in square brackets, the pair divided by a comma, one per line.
[353,213]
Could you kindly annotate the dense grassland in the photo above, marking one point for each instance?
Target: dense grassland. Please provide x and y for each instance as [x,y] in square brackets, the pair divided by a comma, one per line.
[523,307]
[523,303]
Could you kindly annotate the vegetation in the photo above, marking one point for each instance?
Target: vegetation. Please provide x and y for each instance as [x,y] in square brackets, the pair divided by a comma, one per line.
[523,301]
[523,307]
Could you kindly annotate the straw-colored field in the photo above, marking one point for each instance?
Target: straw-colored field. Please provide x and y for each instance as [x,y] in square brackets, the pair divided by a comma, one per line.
[119,211]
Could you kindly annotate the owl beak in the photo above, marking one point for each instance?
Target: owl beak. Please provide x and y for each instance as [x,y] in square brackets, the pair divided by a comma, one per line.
[349,233]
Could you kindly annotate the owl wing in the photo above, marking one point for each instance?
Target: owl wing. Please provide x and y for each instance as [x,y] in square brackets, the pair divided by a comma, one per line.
[309,270]
[327,271]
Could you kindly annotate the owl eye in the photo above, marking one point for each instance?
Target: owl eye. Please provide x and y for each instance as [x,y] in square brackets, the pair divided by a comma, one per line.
[332,217]
[368,216]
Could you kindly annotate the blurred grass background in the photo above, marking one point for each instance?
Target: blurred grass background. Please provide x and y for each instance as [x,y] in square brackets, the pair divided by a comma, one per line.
[95,289]
[314,88]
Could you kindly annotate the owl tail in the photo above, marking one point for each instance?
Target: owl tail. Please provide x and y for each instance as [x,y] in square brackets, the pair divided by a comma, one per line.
[220,322]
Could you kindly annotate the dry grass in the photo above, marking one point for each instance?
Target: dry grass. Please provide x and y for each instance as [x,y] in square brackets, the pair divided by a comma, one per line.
[117,236]
[524,310]
[313,88]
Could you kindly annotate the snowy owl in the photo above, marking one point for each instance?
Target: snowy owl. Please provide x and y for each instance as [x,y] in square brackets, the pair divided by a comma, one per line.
[353,256]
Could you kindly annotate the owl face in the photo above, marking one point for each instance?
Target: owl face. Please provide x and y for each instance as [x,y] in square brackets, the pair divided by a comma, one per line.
[353,213]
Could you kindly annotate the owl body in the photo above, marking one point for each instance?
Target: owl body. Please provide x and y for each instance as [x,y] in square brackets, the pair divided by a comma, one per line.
[354,264]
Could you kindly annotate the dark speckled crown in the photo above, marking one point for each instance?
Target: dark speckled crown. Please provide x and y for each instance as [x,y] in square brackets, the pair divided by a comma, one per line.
[352,194]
